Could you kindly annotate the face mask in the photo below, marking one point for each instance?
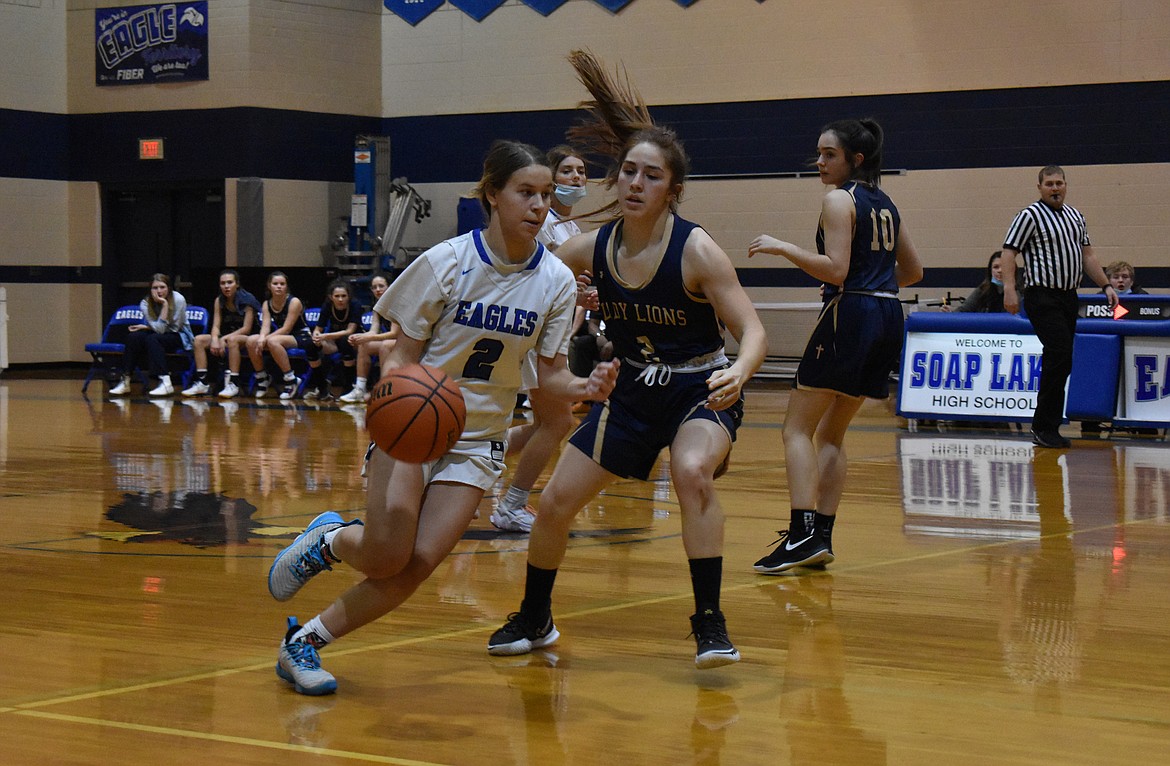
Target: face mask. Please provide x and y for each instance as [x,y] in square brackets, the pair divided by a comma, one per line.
[570,195]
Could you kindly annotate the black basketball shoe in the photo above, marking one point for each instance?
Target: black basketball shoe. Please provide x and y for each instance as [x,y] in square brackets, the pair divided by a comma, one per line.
[712,646]
[811,551]
[521,634]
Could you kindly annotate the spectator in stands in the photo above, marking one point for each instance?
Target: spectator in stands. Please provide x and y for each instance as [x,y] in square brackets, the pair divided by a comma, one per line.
[1121,275]
[165,332]
[369,344]
[233,319]
[340,318]
[987,298]
[282,326]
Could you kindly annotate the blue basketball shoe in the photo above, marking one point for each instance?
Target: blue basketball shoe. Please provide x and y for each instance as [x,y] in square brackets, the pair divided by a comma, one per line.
[300,665]
[308,555]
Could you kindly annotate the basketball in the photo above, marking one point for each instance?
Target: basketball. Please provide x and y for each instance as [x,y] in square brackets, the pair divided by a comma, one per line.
[416,413]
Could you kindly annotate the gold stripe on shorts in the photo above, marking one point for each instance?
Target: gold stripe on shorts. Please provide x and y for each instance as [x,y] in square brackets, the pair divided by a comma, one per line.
[599,437]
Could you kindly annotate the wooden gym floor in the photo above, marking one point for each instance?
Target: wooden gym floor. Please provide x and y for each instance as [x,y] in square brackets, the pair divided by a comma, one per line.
[990,604]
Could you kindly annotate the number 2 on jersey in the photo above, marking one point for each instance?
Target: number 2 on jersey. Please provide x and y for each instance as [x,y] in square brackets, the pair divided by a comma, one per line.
[484,356]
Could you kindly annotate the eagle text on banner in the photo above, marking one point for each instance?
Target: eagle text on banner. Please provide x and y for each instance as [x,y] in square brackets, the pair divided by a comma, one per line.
[412,11]
[166,42]
[960,376]
[1146,379]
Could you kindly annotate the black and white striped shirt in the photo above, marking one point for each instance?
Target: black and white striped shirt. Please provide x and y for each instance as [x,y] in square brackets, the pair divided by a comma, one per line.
[1052,243]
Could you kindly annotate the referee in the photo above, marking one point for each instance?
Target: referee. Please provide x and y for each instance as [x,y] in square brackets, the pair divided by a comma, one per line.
[1055,244]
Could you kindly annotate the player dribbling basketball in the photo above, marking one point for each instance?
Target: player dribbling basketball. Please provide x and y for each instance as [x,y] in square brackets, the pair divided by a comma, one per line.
[472,306]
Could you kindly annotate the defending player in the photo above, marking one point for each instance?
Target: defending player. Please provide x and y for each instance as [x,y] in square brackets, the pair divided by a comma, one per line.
[664,287]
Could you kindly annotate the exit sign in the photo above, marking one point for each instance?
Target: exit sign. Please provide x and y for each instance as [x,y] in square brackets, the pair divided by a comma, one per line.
[150,148]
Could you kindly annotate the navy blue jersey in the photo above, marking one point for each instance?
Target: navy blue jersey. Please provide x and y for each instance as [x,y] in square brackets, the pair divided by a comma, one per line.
[659,321]
[332,320]
[232,319]
[875,239]
[278,319]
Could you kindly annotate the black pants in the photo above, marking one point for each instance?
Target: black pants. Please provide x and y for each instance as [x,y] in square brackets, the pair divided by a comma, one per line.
[1053,314]
[153,346]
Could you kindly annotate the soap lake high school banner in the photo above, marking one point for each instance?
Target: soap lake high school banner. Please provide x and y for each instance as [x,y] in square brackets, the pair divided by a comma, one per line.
[165,42]
[970,376]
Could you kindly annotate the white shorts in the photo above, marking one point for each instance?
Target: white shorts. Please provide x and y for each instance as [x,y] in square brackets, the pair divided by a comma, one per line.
[475,462]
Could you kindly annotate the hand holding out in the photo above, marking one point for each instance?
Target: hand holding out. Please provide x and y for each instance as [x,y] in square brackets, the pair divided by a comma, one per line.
[601,381]
[586,293]
[768,246]
[724,386]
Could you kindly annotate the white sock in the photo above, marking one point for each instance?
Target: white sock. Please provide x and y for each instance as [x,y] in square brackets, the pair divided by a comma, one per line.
[360,383]
[328,539]
[315,632]
[290,376]
[515,498]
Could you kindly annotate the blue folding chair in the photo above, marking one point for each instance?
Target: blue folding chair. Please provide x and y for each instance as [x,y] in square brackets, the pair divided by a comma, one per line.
[107,354]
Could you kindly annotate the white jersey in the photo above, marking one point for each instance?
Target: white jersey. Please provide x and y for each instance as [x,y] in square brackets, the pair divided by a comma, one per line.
[556,231]
[480,317]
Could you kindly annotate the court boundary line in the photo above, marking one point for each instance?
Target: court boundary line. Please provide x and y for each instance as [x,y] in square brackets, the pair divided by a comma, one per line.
[472,630]
[230,739]
[36,709]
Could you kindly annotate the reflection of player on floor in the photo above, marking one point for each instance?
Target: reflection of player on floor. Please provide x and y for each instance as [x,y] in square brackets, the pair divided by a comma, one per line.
[667,290]
[864,255]
[813,705]
[473,306]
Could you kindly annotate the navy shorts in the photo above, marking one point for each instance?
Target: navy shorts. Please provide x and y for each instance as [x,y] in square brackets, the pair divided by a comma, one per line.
[625,434]
[304,339]
[855,346]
